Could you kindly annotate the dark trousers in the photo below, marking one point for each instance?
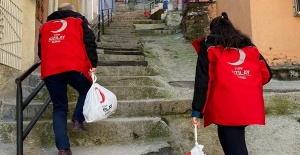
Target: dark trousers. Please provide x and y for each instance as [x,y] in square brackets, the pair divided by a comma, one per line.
[232,139]
[57,87]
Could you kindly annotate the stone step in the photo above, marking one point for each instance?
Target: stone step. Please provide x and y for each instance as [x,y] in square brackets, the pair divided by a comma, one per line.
[119,39]
[123,24]
[122,63]
[128,81]
[122,93]
[119,47]
[129,108]
[125,71]
[155,32]
[286,73]
[119,57]
[155,147]
[148,21]
[139,27]
[275,104]
[128,52]
[121,18]
[109,131]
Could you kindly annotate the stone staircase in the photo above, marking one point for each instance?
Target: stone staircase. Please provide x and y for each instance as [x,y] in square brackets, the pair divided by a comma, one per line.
[142,99]
[150,119]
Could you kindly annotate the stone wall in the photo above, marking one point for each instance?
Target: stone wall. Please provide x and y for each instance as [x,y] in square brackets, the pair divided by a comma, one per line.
[196,19]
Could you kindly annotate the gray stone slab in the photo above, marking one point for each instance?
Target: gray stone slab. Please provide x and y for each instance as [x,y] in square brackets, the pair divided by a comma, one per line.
[106,132]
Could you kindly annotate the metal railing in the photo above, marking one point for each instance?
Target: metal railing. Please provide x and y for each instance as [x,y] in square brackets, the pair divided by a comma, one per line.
[98,23]
[22,104]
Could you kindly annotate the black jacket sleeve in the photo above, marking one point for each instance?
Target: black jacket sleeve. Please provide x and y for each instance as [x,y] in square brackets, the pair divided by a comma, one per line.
[201,79]
[89,40]
[265,70]
[39,47]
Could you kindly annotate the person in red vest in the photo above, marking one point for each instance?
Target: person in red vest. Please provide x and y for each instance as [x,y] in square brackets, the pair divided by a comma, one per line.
[228,92]
[67,50]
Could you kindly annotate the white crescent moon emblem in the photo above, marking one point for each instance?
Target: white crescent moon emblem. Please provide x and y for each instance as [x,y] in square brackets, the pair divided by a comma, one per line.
[241,59]
[64,25]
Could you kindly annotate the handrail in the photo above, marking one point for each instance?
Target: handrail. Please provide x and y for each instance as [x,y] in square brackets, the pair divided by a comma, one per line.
[98,23]
[22,104]
[108,20]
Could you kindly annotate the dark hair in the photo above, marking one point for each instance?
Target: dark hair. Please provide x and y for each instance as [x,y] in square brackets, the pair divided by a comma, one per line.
[222,32]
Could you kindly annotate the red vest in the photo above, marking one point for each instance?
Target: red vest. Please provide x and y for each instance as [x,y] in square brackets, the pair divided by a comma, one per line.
[235,93]
[62,47]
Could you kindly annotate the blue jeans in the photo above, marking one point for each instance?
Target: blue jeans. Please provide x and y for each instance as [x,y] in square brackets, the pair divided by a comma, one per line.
[57,87]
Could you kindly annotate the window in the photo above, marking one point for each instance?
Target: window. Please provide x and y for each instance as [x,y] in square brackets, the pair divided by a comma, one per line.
[10,34]
[297,7]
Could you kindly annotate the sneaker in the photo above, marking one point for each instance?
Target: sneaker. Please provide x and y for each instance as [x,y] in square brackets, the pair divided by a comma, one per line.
[78,126]
[65,152]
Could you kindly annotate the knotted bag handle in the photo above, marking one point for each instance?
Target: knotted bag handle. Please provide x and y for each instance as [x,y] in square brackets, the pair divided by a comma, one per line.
[94,77]
[195,134]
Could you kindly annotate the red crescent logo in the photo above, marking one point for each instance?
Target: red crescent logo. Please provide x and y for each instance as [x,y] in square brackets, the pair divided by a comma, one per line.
[101,94]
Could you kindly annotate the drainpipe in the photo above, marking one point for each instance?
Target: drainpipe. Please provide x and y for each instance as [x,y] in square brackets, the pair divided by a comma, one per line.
[82,8]
[55,5]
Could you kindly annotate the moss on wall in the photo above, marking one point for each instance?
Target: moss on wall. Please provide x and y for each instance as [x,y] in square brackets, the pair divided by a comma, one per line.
[196,19]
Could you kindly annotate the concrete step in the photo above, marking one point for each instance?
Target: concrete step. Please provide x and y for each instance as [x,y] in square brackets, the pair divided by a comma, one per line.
[160,26]
[122,63]
[128,81]
[148,21]
[106,132]
[130,108]
[155,32]
[286,73]
[117,46]
[118,37]
[275,104]
[122,52]
[128,18]
[120,57]
[119,30]
[125,71]
[122,93]
[279,86]
[157,147]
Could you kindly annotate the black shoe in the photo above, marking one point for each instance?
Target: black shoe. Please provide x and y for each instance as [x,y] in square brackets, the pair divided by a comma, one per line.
[78,126]
[65,152]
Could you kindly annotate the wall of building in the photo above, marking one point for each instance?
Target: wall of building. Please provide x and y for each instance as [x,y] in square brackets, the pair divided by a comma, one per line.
[8,74]
[275,30]
[238,12]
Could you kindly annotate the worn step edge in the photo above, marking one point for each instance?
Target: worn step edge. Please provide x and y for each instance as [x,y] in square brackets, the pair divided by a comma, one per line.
[130,108]
[108,131]
[120,57]
[122,63]
[136,148]
[125,71]
[128,81]
[123,52]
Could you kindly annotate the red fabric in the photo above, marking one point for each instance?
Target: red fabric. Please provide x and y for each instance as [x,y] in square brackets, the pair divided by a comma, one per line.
[235,93]
[63,51]
[196,44]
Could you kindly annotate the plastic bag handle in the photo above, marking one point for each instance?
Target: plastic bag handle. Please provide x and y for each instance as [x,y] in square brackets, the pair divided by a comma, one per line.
[195,134]
[94,77]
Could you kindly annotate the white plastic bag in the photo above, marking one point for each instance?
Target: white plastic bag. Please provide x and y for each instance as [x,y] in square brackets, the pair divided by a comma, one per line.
[99,103]
[197,149]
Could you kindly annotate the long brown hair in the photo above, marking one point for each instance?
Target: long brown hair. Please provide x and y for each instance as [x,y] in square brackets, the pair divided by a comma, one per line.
[222,32]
